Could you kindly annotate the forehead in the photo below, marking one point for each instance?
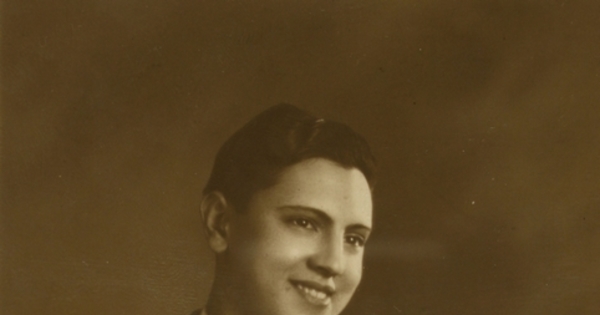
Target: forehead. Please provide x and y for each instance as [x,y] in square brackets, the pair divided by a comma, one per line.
[342,193]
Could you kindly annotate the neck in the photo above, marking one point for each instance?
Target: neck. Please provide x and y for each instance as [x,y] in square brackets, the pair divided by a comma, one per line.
[222,298]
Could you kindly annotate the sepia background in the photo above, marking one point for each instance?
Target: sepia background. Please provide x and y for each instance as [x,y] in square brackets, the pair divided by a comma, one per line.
[483,114]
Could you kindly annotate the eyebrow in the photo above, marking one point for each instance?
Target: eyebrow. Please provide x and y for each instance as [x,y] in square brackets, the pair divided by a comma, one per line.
[323,216]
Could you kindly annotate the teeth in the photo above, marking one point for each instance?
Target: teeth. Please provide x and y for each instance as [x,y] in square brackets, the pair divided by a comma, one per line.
[312,292]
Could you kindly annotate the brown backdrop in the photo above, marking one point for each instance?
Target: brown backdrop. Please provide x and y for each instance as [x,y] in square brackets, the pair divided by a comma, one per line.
[484,116]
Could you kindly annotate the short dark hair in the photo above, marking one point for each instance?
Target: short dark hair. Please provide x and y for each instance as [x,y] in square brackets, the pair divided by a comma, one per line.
[279,137]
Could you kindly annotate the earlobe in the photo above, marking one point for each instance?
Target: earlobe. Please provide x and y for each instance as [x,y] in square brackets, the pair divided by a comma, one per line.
[215,214]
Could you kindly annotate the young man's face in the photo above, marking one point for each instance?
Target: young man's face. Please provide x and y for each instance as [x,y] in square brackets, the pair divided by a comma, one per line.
[298,247]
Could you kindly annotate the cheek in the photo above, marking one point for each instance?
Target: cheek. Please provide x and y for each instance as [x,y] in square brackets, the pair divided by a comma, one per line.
[348,283]
[277,247]
[285,246]
[353,273]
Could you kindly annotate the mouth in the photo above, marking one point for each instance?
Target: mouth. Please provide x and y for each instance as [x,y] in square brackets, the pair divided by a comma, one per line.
[314,293]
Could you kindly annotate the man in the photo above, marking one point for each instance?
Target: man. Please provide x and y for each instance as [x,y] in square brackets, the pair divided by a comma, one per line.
[288,210]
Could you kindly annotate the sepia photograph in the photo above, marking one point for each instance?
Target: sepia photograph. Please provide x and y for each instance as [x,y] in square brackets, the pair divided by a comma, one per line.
[193,157]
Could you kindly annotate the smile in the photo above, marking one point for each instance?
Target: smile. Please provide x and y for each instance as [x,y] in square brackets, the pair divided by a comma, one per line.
[314,293]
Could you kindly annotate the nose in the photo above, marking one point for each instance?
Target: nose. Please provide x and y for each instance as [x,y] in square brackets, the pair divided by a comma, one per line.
[329,260]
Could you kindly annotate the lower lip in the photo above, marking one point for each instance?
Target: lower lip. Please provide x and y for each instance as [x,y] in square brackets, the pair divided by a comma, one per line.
[314,300]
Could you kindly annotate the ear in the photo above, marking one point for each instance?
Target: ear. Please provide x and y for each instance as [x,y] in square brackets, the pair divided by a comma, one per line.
[216,216]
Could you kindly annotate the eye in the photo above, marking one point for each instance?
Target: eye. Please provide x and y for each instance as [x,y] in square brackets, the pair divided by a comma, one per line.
[355,240]
[304,223]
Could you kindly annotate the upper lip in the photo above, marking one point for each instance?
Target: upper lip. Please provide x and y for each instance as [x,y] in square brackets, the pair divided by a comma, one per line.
[323,287]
